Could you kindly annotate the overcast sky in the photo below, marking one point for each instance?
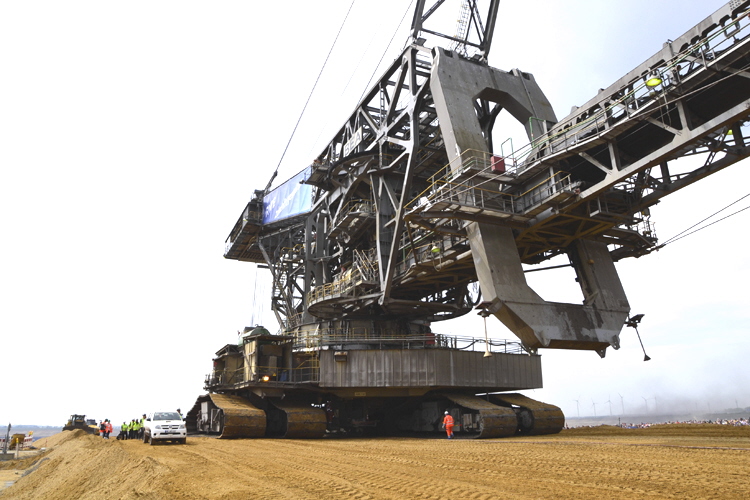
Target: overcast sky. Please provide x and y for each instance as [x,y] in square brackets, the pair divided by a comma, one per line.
[133,133]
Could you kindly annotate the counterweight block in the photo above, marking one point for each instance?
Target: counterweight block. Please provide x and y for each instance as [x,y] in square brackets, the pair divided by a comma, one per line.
[593,325]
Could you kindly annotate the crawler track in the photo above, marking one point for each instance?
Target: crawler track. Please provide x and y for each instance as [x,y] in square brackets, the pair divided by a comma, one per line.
[231,417]
[494,421]
[299,420]
[534,417]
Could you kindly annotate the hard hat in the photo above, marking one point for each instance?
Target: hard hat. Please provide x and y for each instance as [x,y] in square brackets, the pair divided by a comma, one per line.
[446,412]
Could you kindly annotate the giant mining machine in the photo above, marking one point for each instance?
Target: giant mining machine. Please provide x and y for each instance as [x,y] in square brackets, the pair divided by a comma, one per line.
[411,216]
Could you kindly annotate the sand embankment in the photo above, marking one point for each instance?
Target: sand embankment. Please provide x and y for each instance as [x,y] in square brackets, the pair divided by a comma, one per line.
[675,461]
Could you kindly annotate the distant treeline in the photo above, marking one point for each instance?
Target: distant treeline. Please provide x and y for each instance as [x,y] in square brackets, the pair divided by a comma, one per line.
[40,431]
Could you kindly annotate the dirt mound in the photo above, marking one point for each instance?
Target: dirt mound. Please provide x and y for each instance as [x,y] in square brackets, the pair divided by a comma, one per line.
[595,463]
[81,465]
[61,438]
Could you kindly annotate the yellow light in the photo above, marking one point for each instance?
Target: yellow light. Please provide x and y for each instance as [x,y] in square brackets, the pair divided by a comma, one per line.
[653,80]
[266,378]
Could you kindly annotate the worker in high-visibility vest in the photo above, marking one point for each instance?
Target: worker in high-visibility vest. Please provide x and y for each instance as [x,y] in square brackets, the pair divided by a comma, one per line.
[141,425]
[123,431]
[448,424]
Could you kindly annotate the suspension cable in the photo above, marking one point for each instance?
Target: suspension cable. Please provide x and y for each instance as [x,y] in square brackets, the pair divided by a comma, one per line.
[329,115]
[682,234]
[309,96]
[385,51]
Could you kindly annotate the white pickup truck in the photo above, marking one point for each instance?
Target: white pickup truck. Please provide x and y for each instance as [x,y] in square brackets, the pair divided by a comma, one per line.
[164,426]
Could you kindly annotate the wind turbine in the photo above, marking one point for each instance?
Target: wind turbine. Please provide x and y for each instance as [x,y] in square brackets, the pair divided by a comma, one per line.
[594,405]
[645,401]
[622,403]
[609,402]
[578,411]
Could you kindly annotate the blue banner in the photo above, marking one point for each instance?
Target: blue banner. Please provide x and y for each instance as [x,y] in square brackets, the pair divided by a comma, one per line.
[289,199]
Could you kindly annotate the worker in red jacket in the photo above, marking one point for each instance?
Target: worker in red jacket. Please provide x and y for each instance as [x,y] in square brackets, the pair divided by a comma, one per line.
[448,424]
[107,429]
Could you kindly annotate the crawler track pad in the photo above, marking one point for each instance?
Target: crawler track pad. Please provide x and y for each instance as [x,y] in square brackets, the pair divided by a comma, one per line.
[495,421]
[241,418]
[302,420]
[534,417]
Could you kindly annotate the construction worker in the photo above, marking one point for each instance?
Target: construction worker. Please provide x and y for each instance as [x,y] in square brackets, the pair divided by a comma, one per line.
[137,428]
[141,425]
[133,429]
[123,431]
[102,428]
[448,424]
[107,428]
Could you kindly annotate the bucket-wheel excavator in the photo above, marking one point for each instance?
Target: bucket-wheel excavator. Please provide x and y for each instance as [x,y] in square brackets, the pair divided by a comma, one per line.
[411,216]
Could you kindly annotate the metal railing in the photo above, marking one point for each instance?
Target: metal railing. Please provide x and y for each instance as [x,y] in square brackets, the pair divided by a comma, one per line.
[252,214]
[306,372]
[460,181]
[344,286]
[427,247]
[629,100]
[546,189]
[364,272]
[469,181]
[359,206]
[355,338]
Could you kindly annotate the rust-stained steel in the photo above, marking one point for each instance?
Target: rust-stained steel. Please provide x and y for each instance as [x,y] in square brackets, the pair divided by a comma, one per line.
[534,417]
[494,421]
[302,420]
[240,418]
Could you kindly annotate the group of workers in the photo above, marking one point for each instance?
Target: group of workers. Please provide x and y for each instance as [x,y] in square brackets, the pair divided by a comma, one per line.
[132,429]
[105,428]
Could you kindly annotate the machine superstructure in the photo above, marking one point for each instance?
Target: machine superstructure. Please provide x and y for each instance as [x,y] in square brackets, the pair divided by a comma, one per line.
[411,216]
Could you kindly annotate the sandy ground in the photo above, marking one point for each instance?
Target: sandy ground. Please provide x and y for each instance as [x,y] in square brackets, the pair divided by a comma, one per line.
[676,461]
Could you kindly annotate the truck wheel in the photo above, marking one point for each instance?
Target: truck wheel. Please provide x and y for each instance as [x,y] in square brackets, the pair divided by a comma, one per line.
[183,441]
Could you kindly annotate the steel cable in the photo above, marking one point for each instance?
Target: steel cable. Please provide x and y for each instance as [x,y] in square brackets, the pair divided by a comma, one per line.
[682,234]
[309,96]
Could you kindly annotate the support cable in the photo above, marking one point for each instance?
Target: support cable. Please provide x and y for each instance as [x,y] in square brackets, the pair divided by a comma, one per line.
[253,319]
[308,97]
[386,51]
[682,234]
[343,92]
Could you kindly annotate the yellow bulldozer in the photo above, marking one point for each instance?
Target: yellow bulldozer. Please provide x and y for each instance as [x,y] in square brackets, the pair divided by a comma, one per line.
[81,422]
